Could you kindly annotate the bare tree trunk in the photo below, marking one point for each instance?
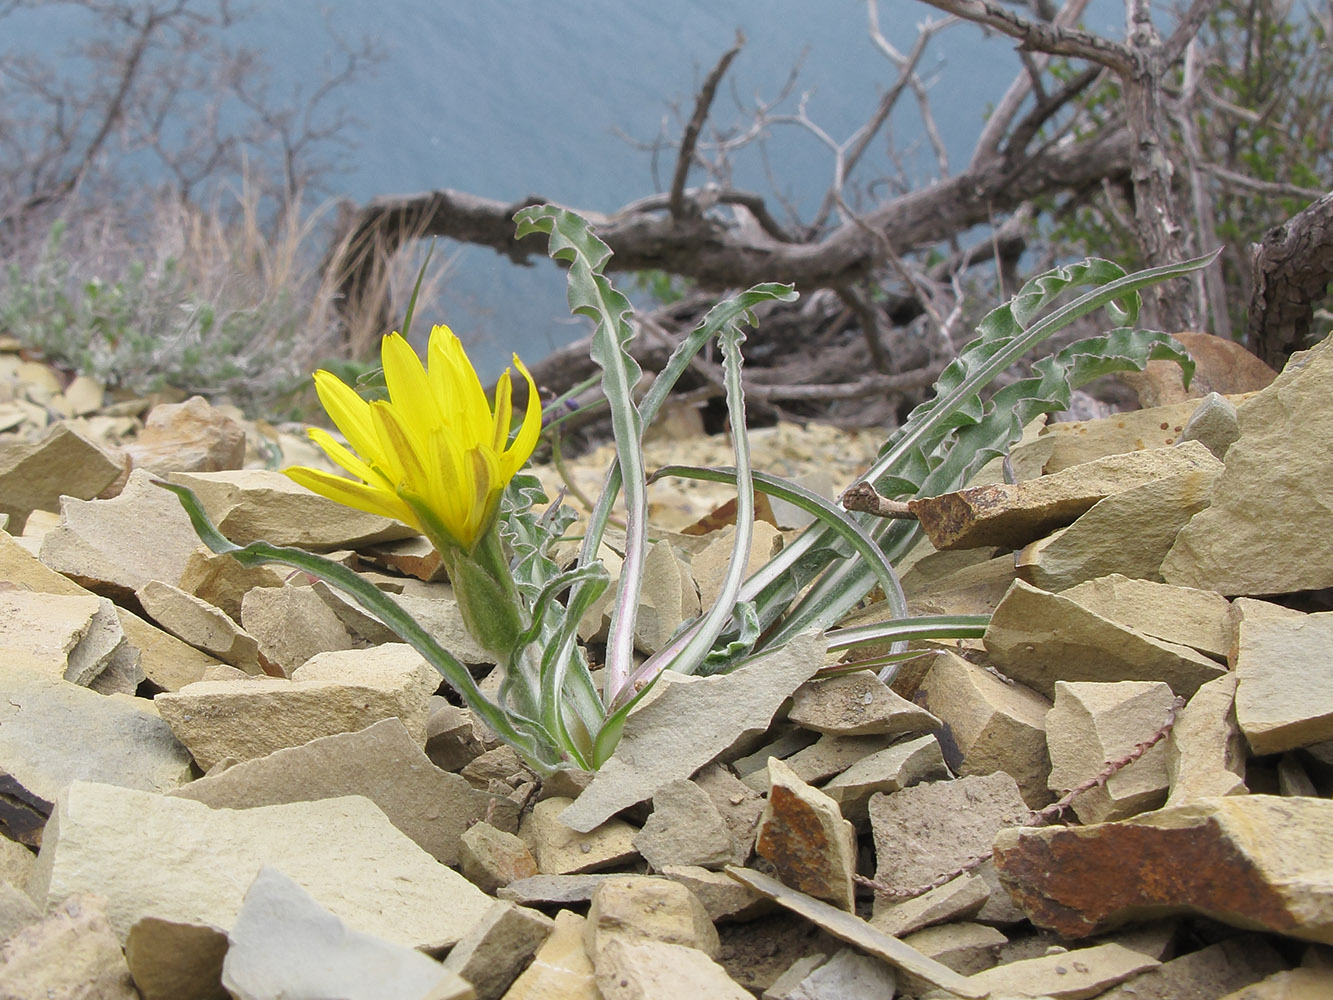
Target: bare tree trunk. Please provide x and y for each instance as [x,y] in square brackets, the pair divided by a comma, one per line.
[1292,269]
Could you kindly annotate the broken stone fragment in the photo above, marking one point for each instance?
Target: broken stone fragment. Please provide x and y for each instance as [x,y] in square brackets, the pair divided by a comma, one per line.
[708,568]
[46,729]
[1215,425]
[495,951]
[1252,861]
[848,975]
[1128,533]
[221,581]
[1092,724]
[629,970]
[561,968]
[491,858]
[723,898]
[149,855]
[692,721]
[1067,975]
[988,724]
[963,946]
[283,943]
[381,762]
[1217,970]
[72,953]
[1283,433]
[1012,515]
[635,908]
[1221,365]
[857,704]
[203,626]
[1039,638]
[685,828]
[803,834]
[116,546]
[292,624]
[193,436]
[560,850]
[1205,752]
[827,757]
[1284,681]
[250,505]
[1077,441]
[668,597]
[1199,619]
[75,637]
[887,770]
[958,899]
[171,959]
[35,475]
[339,692]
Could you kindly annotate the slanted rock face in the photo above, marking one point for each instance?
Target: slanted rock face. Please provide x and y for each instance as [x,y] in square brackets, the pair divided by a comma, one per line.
[803,834]
[1275,495]
[1284,681]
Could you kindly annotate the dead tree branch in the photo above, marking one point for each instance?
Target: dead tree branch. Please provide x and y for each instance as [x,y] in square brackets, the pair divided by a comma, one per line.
[676,202]
[1292,270]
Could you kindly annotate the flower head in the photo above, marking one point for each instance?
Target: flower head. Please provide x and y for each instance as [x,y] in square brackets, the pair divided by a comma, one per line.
[435,454]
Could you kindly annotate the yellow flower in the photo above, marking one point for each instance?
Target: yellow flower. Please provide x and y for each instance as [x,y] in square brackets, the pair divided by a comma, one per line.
[434,455]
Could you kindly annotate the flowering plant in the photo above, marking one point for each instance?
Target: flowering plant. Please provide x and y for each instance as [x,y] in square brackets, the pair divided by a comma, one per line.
[438,456]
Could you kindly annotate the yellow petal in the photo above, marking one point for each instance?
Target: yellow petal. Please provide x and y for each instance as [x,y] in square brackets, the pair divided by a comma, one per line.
[504,413]
[405,378]
[347,459]
[528,432]
[400,446]
[349,413]
[459,390]
[352,494]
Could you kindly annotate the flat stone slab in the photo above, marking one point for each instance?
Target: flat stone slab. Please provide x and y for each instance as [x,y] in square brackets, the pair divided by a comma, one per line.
[150,855]
[1284,682]
[381,762]
[689,723]
[1012,515]
[1275,495]
[53,733]
[857,704]
[1254,861]
[35,475]
[1038,638]
[1200,619]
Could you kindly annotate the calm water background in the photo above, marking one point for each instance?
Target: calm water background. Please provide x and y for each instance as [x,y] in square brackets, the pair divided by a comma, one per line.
[510,99]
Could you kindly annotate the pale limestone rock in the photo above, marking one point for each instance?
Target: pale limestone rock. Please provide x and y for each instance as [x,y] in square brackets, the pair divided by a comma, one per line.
[15,862]
[739,805]
[409,556]
[1012,515]
[552,890]
[709,567]
[1038,638]
[1128,533]
[173,960]
[561,969]
[857,704]
[150,855]
[988,725]
[635,908]
[35,475]
[283,943]
[292,624]
[1209,972]
[560,850]
[167,662]
[803,834]
[199,623]
[223,582]
[691,721]
[339,692]
[381,762]
[491,858]
[501,763]
[653,970]
[495,951]
[962,946]
[973,590]
[1205,752]
[1076,441]
[116,546]
[887,770]
[793,975]
[84,395]
[192,436]
[668,598]
[1215,425]
[827,757]
[723,898]
[1072,975]
[17,910]
[1279,469]
[848,975]
[1294,984]
[1221,365]
[783,739]
[1284,682]
[1252,861]
[958,899]
[1091,724]
[248,505]
[72,954]
[685,828]
[852,929]
[452,738]
[1199,619]
[929,830]
[47,728]
[76,637]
